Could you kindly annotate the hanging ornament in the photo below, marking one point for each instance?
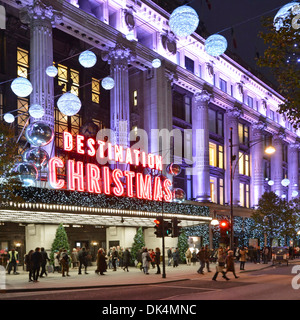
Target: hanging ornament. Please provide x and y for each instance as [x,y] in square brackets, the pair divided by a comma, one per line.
[156,63]
[108,83]
[38,156]
[270,182]
[285,182]
[215,45]
[283,19]
[69,104]
[21,87]
[87,59]
[51,71]
[173,169]
[178,195]
[294,193]
[9,118]
[39,134]
[183,21]
[36,111]
[27,173]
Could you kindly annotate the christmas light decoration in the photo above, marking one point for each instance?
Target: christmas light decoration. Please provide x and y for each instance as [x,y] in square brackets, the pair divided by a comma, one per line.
[215,45]
[69,104]
[87,59]
[21,87]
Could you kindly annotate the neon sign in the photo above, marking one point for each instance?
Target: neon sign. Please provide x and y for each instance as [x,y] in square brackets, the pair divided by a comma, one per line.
[89,177]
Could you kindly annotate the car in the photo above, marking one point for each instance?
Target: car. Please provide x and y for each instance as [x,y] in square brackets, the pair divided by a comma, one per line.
[280,255]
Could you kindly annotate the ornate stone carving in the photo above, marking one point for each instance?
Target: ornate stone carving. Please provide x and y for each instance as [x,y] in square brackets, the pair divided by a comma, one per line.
[119,55]
[202,97]
[234,112]
[168,40]
[129,18]
[40,11]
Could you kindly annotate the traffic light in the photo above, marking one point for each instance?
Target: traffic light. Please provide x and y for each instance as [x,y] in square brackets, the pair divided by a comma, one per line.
[159,227]
[175,227]
[167,228]
[224,228]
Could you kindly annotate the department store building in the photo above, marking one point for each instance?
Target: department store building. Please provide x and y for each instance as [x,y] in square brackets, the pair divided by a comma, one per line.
[186,106]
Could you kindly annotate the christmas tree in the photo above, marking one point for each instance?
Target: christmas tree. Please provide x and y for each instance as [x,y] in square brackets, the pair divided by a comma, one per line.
[138,243]
[182,245]
[60,241]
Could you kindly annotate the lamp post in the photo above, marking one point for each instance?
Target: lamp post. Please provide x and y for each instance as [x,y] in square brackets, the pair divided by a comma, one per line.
[269,150]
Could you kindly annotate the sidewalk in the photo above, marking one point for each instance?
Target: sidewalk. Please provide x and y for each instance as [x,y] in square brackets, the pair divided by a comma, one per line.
[55,281]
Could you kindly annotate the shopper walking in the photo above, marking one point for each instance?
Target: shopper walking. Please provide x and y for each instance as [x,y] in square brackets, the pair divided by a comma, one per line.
[243,258]
[175,258]
[157,260]
[82,257]
[207,257]
[29,266]
[265,255]
[101,263]
[126,259]
[229,261]
[74,258]
[45,258]
[146,259]
[13,259]
[36,259]
[201,258]
[220,265]
[114,258]
[170,256]
[65,263]
[188,256]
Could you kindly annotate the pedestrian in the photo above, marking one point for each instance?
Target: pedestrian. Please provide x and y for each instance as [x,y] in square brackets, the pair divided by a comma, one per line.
[139,259]
[65,260]
[170,256]
[82,257]
[36,259]
[101,263]
[126,259]
[120,257]
[56,261]
[229,261]
[220,265]
[201,258]
[237,254]
[13,260]
[74,258]
[146,259]
[152,256]
[207,258]
[175,258]
[265,255]
[45,258]
[28,263]
[157,260]
[188,256]
[243,258]
[258,254]
[114,258]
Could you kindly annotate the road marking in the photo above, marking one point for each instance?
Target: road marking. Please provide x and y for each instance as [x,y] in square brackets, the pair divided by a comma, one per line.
[181,287]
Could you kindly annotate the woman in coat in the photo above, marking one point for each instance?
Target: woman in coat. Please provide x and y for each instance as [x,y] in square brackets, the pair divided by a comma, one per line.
[243,258]
[157,259]
[126,259]
[230,263]
[101,263]
[220,265]
[146,259]
[28,263]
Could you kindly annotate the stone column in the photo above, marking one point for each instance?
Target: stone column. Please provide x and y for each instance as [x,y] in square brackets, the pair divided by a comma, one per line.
[257,169]
[293,170]
[42,19]
[232,122]
[276,164]
[200,125]
[119,57]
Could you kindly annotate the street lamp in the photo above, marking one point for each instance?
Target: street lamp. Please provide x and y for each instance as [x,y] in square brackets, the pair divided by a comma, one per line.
[269,150]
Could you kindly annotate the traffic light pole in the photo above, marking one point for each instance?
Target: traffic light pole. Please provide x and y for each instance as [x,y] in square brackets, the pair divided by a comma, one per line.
[163,241]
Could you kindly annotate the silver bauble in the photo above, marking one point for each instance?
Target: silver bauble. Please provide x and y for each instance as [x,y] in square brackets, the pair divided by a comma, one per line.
[27,173]
[39,134]
[38,156]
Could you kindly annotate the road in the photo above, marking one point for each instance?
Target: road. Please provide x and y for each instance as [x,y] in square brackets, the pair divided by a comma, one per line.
[274,283]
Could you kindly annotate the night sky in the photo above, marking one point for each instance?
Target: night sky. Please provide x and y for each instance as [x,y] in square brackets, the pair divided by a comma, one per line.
[245,16]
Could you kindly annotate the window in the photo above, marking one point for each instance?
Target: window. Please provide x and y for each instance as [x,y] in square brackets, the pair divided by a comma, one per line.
[250,102]
[217,190]
[22,103]
[216,157]
[243,134]
[215,122]
[223,85]
[95,90]
[135,98]
[68,79]
[245,195]
[182,105]
[189,64]
[272,115]
[284,153]
[187,107]
[200,71]
[244,164]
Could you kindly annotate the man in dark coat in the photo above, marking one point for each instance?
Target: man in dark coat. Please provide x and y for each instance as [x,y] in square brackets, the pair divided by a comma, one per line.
[36,259]
[82,257]
[126,259]
[201,257]
[45,258]
[101,263]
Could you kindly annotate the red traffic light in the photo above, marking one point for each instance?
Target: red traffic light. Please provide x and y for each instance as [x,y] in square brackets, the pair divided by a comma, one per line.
[223,224]
[156,221]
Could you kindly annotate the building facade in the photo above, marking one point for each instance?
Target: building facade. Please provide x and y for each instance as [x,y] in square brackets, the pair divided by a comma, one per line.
[184,110]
